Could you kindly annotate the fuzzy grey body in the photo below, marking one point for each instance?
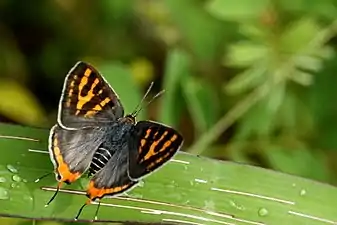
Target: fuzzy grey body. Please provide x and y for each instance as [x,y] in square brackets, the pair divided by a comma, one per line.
[109,165]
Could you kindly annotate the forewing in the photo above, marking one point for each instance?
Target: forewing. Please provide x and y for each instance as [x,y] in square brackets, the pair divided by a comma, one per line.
[112,179]
[71,151]
[87,99]
[151,146]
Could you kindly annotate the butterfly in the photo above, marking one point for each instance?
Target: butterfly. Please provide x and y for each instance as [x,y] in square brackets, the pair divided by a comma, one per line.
[93,134]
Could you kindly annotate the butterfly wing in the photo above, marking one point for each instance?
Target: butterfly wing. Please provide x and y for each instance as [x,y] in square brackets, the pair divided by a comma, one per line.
[112,177]
[87,99]
[71,151]
[152,146]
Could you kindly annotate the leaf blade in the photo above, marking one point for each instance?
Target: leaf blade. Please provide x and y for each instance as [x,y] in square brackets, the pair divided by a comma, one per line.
[205,191]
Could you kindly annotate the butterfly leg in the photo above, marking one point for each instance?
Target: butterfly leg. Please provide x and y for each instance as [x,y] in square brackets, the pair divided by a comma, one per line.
[97,209]
[88,202]
[53,197]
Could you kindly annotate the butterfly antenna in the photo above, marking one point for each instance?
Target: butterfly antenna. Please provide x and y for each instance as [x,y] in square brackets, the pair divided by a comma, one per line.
[155,97]
[45,175]
[53,197]
[81,209]
[139,106]
[149,102]
[96,213]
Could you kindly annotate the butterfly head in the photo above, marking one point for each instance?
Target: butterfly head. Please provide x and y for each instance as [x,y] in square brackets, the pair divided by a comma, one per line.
[129,119]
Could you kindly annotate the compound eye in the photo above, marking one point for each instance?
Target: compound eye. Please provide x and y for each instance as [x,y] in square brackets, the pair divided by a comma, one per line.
[58,177]
[130,119]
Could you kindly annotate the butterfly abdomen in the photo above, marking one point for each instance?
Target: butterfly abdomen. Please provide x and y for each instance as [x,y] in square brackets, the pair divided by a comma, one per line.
[100,159]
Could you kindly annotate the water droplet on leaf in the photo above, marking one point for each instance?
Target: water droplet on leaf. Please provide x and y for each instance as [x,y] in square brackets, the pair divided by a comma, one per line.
[4,194]
[11,168]
[263,212]
[2,179]
[303,192]
[16,178]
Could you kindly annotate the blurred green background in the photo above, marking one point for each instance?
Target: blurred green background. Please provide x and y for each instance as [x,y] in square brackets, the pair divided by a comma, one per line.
[251,81]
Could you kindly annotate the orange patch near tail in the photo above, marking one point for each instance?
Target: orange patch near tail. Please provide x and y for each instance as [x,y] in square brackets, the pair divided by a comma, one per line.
[63,168]
[94,192]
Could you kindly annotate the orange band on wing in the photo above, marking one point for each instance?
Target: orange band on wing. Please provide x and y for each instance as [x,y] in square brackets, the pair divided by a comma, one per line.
[168,143]
[159,160]
[153,147]
[82,100]
[94,192]
[148,132]
[97,107]
[63,168]
[71,90]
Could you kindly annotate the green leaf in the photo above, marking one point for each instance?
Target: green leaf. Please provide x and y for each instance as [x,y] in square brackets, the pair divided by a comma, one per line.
[114,11]
[307,62]
[201,33]
[322,97]
[19,104]
[245,54]
[201,102]
[294,116]
[254,32]
[260,119]
[189,189]
[247,80]
[177,66]
[257,121]
[302,78]
[237,10]
[276,98]
[323,8]
[296,161]
[299,34]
